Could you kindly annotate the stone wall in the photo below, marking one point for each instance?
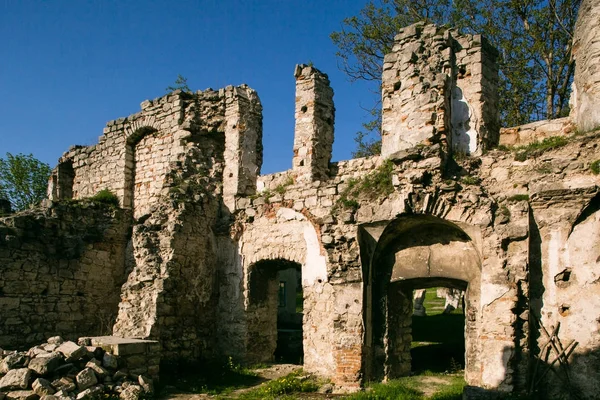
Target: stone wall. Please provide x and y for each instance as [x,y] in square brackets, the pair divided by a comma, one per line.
[136,153]
[313,134]
[536,132]
[439,86]
[208,234]
[62,268]
[585,107]
[171,292]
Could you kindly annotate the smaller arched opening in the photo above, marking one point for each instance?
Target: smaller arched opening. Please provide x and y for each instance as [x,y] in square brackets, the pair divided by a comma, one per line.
[133,164]
[274,312]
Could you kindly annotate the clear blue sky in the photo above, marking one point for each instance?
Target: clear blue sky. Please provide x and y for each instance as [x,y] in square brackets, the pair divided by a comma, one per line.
[68,67]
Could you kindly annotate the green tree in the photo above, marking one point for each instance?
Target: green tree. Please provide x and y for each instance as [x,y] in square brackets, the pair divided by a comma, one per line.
[533,37]
[23,180]
[180,84]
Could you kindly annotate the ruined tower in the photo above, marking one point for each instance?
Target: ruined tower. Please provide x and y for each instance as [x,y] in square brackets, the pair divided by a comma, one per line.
[315,113]
[586,51]
[433,89]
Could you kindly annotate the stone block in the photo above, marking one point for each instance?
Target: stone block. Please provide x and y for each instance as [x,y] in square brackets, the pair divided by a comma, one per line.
[72,351]
[65,384]
[22,395]
[13,361]
[86,378]
[42,387]
[44,365]
[110,361]
[15,379]
[100,372]
[132,392]
[94,392]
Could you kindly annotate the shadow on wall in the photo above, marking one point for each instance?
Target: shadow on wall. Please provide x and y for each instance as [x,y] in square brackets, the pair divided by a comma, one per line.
[551,379]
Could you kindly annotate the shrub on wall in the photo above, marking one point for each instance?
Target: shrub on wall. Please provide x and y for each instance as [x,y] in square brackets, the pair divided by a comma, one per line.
[107,197]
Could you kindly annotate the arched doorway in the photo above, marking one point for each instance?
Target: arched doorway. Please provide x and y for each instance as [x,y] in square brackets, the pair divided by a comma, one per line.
[274,312]
[415,251]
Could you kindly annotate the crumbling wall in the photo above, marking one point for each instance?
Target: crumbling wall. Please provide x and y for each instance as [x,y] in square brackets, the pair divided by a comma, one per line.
[532,132]
[313,134]
[134,156]
[171,292]
[585,107]
[62,268]
[439,86]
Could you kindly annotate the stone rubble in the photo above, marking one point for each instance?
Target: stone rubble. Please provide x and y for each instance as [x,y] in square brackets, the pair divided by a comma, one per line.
[67,372]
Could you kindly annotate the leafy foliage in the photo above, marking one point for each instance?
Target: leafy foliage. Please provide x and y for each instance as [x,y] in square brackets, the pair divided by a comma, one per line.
[180,84]
[23,180]
[534,39]
[371,186]
[107,197]
[595,167]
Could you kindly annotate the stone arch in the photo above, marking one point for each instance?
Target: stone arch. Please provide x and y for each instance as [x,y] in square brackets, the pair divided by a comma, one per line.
[135,132]
[286,235]
[138,128]
[415,251]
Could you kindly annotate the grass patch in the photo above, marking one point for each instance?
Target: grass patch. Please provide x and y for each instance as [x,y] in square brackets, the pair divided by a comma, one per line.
[536,148]
[210,378]
[470,180]
[394,389]
[377,183]
[519,197]
[282,187]
[296,382]
[105,196]
[595,167]
[445,387]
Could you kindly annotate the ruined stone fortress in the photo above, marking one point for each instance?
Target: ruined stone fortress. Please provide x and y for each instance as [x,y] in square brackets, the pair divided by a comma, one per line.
[190,258]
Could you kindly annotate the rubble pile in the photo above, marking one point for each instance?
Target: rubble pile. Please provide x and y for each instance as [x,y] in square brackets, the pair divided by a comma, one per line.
[65,370]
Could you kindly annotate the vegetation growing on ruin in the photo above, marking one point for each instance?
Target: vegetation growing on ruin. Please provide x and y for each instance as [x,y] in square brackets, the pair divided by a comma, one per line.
[411,388]
[105,196]
[595,167]
[537,148]
[519,197]
[282,187]
[470,180]
[296,382]
[376,184]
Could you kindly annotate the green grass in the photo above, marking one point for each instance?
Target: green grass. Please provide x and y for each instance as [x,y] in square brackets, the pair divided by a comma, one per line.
[410,388]
[470,180]
[519,197]
[595,167]
[395,389]
[296,382]
[536,148]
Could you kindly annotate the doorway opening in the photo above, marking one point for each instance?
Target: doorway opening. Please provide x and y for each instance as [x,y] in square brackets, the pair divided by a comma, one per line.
[420,252]
[275,312]
[438,326]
